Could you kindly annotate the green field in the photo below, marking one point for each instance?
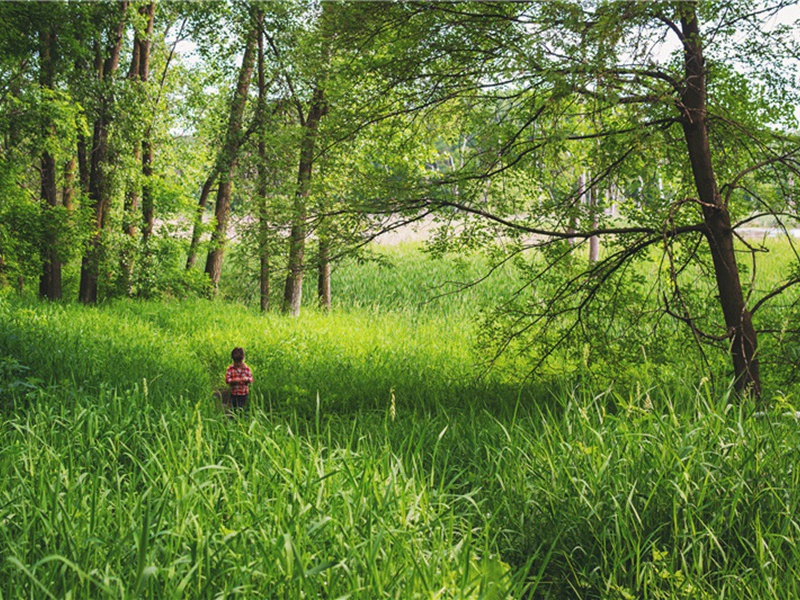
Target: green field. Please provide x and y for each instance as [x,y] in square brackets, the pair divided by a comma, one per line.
[377,458]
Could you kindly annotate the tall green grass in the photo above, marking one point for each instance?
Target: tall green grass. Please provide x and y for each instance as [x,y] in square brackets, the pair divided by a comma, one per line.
[107,495]
[372,463]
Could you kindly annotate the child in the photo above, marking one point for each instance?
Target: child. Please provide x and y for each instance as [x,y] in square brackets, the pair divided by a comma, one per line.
[238,376]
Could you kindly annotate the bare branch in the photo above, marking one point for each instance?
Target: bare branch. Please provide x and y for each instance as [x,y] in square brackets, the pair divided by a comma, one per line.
[733,184]
[295,99]
[779,290]
[565,234]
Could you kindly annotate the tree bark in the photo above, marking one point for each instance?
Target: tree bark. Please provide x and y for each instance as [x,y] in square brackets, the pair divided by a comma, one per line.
[293,290]
[50,280]
[693,107]
[99,184]
[227,160]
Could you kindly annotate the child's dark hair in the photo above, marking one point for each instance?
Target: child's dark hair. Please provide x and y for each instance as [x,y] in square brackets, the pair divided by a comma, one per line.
[237,354]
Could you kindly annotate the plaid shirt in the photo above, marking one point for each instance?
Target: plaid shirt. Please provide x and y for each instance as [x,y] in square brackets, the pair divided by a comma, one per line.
[238,377]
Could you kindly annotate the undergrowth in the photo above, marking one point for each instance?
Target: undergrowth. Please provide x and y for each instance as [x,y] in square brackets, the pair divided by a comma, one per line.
[373,461]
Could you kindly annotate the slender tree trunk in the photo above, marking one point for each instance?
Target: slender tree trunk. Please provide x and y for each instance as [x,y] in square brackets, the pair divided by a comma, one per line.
[222,209]
[594,241]
[197,227]
[83,164]
[324,273]
[743,342]
[148,208]
[148,211]
[138,72]
[50,280]
[264,272]
[572,224]
[227,160]
[293,290]
[99,184]
[68,191]
[129,220]
[263,213]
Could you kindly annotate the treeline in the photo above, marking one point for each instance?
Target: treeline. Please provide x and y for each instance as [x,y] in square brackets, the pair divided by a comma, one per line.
[525,130]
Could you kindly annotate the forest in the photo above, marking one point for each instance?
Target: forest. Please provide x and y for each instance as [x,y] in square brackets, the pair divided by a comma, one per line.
[517,282]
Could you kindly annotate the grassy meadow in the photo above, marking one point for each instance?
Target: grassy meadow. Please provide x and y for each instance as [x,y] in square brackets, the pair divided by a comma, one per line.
[376,459]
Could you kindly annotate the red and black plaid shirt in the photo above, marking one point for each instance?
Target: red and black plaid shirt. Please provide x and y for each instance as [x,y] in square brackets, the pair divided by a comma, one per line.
[238,377]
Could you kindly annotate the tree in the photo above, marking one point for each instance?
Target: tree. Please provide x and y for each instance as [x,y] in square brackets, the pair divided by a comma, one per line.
[40,120]
[50,281]
[138,75]
[107,50]
[226,160]
[562,80]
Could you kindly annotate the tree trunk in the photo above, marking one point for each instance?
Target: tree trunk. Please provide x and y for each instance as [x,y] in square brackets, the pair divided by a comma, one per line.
[263,213]
[572,223]
[227,160]
[68,191]
[263,280]
[148,209]
[99,184]
[142,151]
[198,218]
[293,291]
[148,212]
[130,210]
[222,210]
[743,342]
[594,241]
[83,164]
[324,274]
[50,280]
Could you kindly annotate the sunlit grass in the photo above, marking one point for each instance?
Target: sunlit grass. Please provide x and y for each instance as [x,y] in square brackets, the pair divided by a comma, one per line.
[372,462]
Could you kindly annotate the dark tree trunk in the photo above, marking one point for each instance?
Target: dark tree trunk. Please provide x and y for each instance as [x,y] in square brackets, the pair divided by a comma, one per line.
[227,160]
[99,196]
[148,212]
[293,291]
[743,342]
[50,280]
[99,184]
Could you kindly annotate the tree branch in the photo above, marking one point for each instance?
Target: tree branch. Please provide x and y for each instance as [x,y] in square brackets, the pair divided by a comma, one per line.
[564,234]
[777,291]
